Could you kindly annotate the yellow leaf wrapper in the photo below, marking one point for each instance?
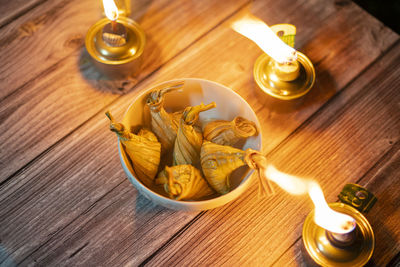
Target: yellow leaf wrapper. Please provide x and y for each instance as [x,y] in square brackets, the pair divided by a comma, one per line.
[218,162]
[143,150]
[229,133]
[164,125]
[184,182]
[189,137]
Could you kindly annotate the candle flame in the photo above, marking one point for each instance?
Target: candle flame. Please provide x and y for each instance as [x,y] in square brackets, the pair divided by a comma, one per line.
[324,216]
[111,10]
[259,32]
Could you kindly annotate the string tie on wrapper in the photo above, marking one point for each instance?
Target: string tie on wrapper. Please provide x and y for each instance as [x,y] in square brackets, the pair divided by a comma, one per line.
[255,160]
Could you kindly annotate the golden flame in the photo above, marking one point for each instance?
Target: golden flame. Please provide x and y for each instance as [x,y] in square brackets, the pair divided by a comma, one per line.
[111,10]
[325,217]
[259,32]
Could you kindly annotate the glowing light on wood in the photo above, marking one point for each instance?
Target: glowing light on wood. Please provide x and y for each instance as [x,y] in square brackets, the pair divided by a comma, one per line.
[325,217]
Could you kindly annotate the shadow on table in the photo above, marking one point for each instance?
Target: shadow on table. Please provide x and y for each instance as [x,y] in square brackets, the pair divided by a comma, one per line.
[99,81]
[144,207]
[5,258]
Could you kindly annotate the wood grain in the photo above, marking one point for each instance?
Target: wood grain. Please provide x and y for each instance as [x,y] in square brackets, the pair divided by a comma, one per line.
[79,206]
[337,146]
[66,196]
[381,180]
[52,32]
[66,90]
[333,55]
[11,9]
[385,215]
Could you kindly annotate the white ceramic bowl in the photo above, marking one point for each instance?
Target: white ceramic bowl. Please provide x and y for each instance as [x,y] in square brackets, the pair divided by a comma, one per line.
[195,91]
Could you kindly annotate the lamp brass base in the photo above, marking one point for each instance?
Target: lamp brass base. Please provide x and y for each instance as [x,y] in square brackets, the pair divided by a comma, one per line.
[320,248]
[268,77]
[116,61]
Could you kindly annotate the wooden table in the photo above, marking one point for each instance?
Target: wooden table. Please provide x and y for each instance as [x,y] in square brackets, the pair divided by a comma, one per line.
[64,198]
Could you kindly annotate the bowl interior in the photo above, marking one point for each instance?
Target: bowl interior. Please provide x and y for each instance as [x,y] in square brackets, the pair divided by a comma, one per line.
[195,91]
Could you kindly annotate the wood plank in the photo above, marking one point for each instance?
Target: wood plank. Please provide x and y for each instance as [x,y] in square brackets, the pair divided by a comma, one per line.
[16,107]
[70,182]
[57,189]
[336,147]
[68,93]
[328,47]
[45,35]
[52,32]
[11,9]
[384,216]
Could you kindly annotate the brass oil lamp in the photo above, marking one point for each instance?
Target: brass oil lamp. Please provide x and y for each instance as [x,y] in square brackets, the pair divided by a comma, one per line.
[353,248]
[282,72]
[116,43]
[335,234]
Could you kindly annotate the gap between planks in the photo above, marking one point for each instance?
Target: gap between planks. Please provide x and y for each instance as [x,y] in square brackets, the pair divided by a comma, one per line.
[88,209]
[332,99]
[174,236]
[6,20]
[301,126]
[97,113]
[180,231]
[144,79]
[89,87]
[113,101]
[381,162]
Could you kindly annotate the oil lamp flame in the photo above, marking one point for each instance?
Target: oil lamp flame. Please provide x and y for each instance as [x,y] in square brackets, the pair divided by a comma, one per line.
[259,32]
[325,217]
[110,9]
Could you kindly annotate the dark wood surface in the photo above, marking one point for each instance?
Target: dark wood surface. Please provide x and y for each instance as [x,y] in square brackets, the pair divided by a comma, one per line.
[64,198]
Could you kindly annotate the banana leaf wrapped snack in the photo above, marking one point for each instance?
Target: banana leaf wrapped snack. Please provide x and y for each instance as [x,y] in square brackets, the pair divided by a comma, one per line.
[164,125]
[229,132]
[219,161]
[189,137]
[143,149]
[184,182]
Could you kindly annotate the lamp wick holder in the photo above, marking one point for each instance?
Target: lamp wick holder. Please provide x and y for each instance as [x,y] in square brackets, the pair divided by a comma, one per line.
[342,240]
[114,34]
[288,80]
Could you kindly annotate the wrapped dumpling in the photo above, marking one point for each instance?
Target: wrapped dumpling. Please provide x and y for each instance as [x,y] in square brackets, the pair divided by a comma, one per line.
[229,133]
[184,182]
[218,162]
[163,124]
[143,149]
[189,137]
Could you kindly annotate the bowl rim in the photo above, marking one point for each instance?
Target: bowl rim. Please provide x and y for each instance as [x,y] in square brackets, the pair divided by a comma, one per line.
[194,203]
